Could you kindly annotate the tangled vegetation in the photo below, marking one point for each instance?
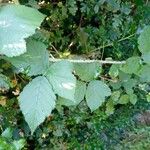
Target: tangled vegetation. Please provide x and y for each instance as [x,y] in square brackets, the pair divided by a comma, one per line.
[74,74]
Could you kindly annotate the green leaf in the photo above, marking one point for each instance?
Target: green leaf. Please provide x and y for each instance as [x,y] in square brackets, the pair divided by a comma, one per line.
[144,73]
[8,144]
[79,95]
[124,76]
[124,99]
[37,100]
[114,71]
[80,92]
[83,37]
[132,65]
[19,144]
[115,96]
[146,58]
[7,133]
[144,40]
[133,98]
[4,145]
[63,81]
[148,97]
[129,85]
[17,22]
[87,71]
[96,93]
[115,85]
[35,61]
[96,8]
[110,107]
[4,82]
[65,102]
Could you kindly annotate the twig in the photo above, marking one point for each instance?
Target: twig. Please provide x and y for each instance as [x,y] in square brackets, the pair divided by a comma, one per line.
[102,52]
[89,61]
[111,44]
[127,37]
[54,49]
[107,79]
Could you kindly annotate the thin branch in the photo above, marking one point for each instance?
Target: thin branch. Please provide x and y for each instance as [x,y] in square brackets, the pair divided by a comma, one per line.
[107,79]
[111,44]
[89,61]
[126,38]
[55,49]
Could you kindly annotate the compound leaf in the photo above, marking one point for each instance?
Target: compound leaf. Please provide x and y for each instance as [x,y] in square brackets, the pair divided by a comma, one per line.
[37,100]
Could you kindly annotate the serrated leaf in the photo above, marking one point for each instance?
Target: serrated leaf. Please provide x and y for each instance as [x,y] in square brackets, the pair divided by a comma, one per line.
[83,37]
[124,76]
[80,92]
[146,58]
[96,93]
[37,100]
[110,107]
[114,71]
[35,61]
[8,144]
[3,100]
[115,85]
[65,102]
[115,96]
[129,84]
[148,97]
[124,99]
[79,95]
[133,98]
[4,82]
[17,22]
[86,71]
[19,144]
[132,65]
[144,73]
[144,40]
[7,133]
[4,145]
[63,81]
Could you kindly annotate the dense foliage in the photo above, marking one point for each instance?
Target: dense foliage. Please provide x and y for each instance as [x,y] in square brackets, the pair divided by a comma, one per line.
[67,95]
